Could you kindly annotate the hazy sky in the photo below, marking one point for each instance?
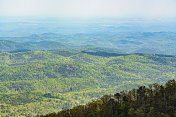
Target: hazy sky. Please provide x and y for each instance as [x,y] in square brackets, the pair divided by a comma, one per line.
[89,8]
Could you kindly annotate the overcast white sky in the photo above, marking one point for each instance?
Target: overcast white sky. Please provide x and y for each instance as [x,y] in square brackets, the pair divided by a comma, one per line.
[89,8]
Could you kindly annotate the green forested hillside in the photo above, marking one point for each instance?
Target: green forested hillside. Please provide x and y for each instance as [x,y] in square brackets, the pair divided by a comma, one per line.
[11,46]
[40,82]
[153,101]
[7,46]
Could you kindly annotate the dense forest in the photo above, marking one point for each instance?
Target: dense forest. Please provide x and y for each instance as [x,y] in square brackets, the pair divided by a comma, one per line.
[42,82]
[86,66]
[152,101]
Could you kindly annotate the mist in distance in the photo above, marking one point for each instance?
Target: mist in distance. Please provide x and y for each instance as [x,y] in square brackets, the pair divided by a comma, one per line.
[139,24]
[89,8]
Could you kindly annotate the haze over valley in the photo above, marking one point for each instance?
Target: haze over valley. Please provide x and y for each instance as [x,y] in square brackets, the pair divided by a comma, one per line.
[87,58]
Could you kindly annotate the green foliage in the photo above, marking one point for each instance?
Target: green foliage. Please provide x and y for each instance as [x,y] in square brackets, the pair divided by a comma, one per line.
[39,82]
[153,101]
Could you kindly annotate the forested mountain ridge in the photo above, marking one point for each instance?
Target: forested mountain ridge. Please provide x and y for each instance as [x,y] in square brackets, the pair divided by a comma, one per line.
[11,46]
[137,42]
[39,82]
[152,101]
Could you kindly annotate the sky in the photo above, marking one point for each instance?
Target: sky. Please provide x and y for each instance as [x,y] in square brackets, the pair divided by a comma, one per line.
[89,8]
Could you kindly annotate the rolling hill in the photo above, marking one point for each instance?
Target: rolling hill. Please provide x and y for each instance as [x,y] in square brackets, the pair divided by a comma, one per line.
[126,42]
[11,46]
[40,82]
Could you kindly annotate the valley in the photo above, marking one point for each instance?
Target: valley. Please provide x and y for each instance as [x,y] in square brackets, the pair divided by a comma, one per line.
[41,82]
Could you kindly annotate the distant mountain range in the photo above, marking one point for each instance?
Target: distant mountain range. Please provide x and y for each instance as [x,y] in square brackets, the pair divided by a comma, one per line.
[128,42]
[11,46]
